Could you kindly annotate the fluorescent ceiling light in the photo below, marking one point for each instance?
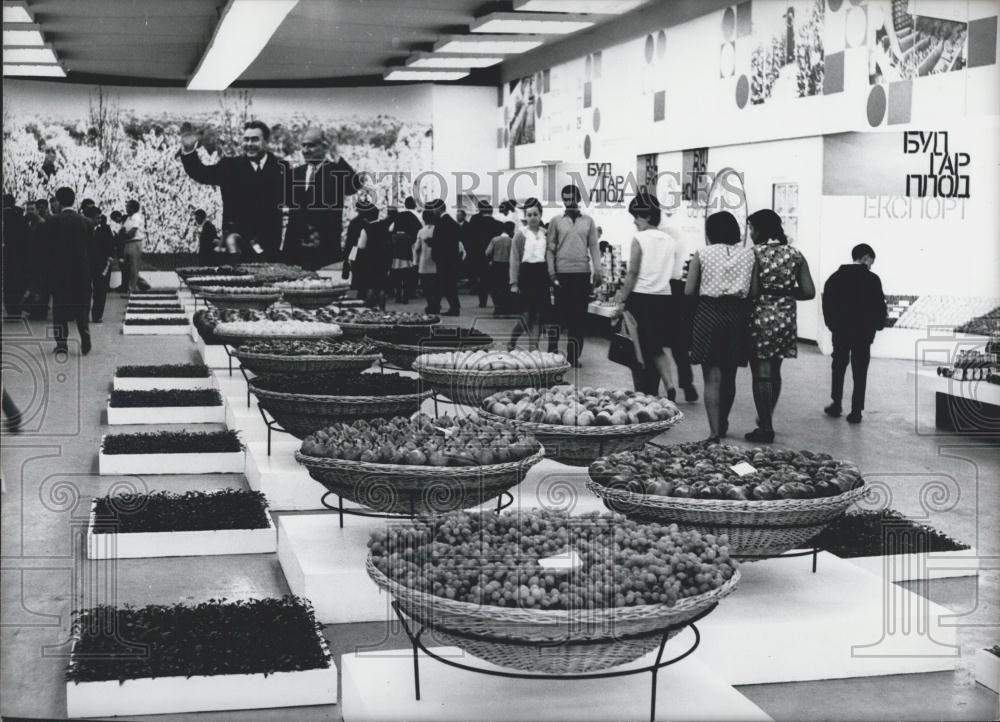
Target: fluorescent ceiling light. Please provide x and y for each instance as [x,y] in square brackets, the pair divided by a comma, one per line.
[410,74]
[553,23]
[29,55]
[244,29]
[42,71]
[22,34]
[488,44]
[596,7]
[451,60]
[16,12]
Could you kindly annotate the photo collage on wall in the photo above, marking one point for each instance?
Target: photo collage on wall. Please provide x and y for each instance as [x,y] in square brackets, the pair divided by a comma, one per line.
[785,202]
[905,45]
[520,110]
[694,179]
[787,58]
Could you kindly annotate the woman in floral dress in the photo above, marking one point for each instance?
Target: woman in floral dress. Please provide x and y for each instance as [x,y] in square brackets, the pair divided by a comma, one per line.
[781,278]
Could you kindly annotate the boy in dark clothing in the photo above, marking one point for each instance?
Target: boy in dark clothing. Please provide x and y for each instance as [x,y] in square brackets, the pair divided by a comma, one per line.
[854,309]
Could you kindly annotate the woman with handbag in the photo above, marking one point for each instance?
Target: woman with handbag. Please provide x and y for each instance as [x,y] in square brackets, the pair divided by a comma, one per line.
[720,277]
[655,258]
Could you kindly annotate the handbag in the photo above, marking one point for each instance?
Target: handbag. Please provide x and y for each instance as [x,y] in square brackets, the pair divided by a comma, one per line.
[622,349]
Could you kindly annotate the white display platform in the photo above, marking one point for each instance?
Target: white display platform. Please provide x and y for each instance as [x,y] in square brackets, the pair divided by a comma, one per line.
[379,686]
[146,464]
[140,330]
[141,545]
[248,421]
[156,316]
[214,356]
[161,279]
[167,415]
[988,669]
[202,694]
[234,385]
[786,624]
[913,343]
[149,383]
[981,391]
[918,567]
[552,485]
[286,483]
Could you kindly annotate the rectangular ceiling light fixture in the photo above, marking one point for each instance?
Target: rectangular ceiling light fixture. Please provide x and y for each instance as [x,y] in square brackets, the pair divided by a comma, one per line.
[244,29]
[22,34]
[451,60]
[43,55]
[38,71]
[596,7]
[411,74]
[488,44]
[551,23]
[16,12]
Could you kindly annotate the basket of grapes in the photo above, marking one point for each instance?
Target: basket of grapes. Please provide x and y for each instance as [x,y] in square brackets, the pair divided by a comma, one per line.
[577,425]
[401,345]
[767,501]
[312,293]
[550,593]
[419,464]
[235,333]
[357,322]
[302,356]
[239,297]
[304,403]
[469,377]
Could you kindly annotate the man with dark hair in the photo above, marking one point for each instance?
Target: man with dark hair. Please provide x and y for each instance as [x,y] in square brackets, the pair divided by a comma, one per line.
[67,236]
[854,309]
[445,245]
[405,227]
[255,186]
[207,237]
[574,259]
[481,229]
[101,252]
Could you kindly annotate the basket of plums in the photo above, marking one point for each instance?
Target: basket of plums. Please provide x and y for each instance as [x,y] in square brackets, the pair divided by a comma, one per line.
[767,501]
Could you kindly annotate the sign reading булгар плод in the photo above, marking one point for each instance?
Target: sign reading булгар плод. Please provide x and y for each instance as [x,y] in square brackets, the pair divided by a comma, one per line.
[944,177]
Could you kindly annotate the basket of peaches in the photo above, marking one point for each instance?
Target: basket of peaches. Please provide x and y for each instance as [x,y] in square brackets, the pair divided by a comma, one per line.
[577,425]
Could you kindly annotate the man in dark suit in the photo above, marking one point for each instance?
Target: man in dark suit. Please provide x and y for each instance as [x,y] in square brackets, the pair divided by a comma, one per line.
[479,231]
[102,253]
[254,187]
[446,252]
[854,310]
[318,189]
[66,236]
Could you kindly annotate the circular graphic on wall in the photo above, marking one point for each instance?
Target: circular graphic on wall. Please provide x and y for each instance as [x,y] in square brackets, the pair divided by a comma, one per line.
[727,193]
[728,24]
[586,147]
[661,44]
[727,60]
[742,91]
[876,105]
[588,67]
[855,27]
[597,119]
[538,106]
[834,5]
[650,48]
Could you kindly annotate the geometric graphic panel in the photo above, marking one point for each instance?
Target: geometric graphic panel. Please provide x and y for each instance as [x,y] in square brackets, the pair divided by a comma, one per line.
[900,101]
[876,105]
[743,20]
[833,74]
[982,42]
[659,105]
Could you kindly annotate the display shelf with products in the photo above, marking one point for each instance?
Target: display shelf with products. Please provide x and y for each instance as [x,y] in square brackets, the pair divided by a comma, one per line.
[960,406]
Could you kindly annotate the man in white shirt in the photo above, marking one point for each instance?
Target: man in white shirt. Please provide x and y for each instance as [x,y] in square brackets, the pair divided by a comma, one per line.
[133,234]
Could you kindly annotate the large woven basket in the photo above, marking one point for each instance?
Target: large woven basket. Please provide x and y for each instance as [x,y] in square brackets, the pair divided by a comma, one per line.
[403,489]
[580,445]
[259,301]
[360,330]
[464,386]
[261,363]
[302,414]
[403,355]
[756,529]
[236,340]
[313,298]
[548,641]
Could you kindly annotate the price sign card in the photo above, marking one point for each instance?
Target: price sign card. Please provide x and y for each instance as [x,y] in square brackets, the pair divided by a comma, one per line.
[563,562]
[743,468]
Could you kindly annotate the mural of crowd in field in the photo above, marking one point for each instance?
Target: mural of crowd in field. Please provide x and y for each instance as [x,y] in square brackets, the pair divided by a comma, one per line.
[787,59]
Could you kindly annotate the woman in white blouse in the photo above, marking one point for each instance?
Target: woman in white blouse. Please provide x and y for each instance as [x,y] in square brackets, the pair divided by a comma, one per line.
[529,273]
[720,275]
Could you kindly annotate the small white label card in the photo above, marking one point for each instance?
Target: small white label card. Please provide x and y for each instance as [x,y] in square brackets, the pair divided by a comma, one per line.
[562,562]
[743,468]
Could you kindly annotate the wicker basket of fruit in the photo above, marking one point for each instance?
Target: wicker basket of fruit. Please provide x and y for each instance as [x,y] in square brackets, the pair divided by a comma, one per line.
[419,465]
[303,404]
[357,322]
[579,425]
[239,297]
[312,293]
[767,501]
[305,357]
[469,377]
[238,332]
[401,345]
[526,615]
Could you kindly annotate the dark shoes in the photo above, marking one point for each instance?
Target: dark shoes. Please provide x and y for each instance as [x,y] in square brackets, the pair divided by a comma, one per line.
[690,394]
[759,436]
[85,345]
[833,410]
[854,417]
[672,394]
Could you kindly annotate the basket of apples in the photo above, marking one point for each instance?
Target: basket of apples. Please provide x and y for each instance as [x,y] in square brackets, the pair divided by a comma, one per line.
[304,403]
[579,424]
[358,322]
[312,292]
[239,296]
[419,464]
[304,356]
[469,377]
[238,332]
[550,593]
[401,345]
[767,501]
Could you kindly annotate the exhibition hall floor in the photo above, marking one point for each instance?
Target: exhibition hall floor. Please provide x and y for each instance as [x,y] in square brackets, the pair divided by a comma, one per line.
[50,473]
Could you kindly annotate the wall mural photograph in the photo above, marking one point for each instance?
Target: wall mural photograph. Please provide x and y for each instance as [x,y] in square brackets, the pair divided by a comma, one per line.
[520,110]
[787,59]
[907,45]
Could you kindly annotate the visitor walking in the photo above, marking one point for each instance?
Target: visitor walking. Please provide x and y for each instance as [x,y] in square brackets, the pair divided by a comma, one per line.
[15,261]
[480,230]
[365,212]
[426,268]
[446,250]
[782,277]
[133,233]
[37,298]
[405,227]
[854,310]
[719,279]
[529,274]
[102,255]
[498,257]
[375,259]
[574,261]
[67,237]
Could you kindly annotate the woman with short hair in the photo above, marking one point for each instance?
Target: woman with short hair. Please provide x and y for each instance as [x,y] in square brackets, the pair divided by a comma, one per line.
[529,273]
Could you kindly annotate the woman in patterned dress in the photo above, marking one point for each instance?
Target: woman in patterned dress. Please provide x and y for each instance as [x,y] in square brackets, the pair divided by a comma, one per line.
[781,277]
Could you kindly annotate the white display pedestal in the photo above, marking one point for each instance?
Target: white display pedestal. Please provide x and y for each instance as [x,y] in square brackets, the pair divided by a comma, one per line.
[127,415]
[786,624]
[149,383]
[917,567]
[233,462]
[379,686]
[142,330]
[286,483]
[247,420]
[988,669]
[982,391]
[214,356]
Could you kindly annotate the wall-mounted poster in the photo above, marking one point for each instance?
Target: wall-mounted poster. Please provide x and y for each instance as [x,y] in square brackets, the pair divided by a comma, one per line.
[520,110]
[909,40]
[785,202]
[694,182]
[787,58]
